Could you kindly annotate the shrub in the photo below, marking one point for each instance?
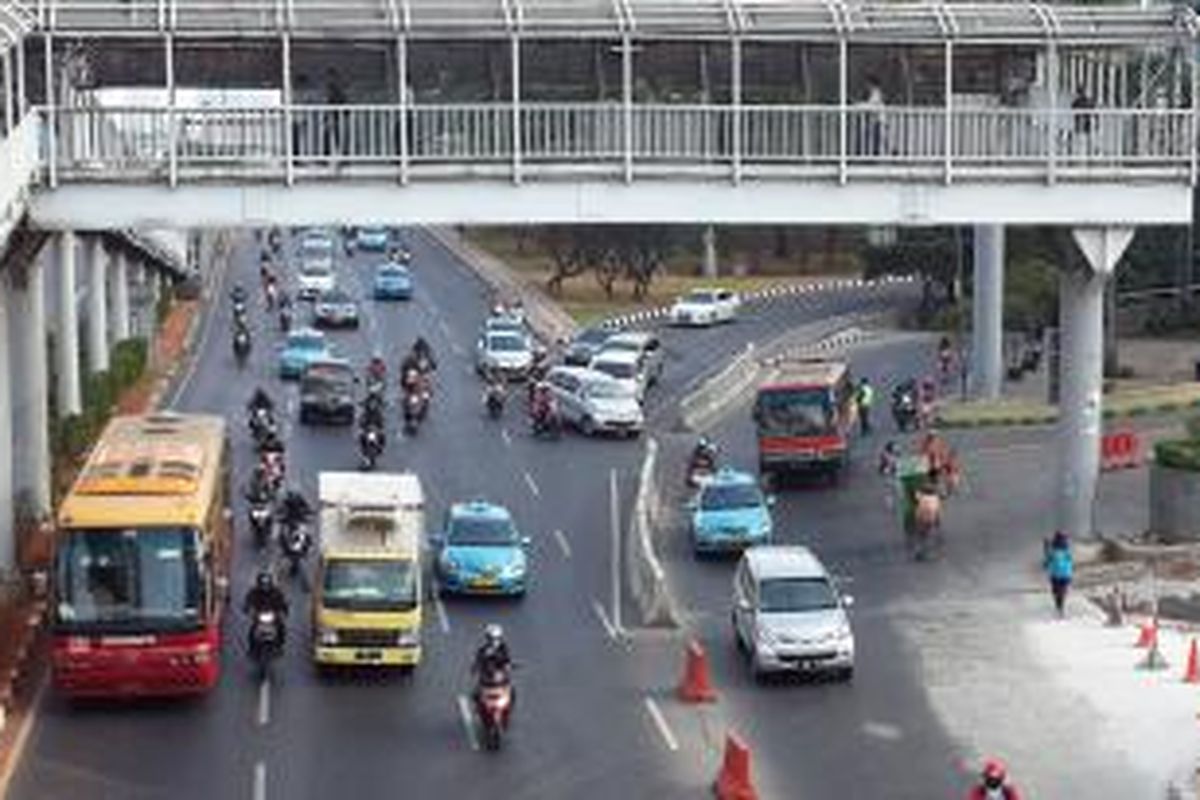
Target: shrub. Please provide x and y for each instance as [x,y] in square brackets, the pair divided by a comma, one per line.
[128,362]
[1178,454]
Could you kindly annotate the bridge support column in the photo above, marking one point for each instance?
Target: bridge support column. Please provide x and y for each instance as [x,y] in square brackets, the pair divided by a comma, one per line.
[987,310]
[67,347]
[8,545]
[710,252]
[1081,321]
[33,413]
[97,308]
[120,297]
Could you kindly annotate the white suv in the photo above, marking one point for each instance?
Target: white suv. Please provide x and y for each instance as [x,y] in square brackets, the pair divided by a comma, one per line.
[705,307]
[788,615]
[623,366]
[595,403]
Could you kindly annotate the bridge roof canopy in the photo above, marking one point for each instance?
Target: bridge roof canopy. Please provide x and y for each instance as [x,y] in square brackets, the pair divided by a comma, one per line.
[805,20]
[15,22]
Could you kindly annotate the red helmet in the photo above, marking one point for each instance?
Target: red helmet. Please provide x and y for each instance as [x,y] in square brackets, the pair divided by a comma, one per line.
[994,772]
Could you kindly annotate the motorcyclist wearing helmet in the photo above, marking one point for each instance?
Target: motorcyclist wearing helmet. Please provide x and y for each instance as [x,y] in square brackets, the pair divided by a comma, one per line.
[265,595]
[260,399]
[238,293]
[993,783]
[423,352]
[492,653]
[377,368]
[295,509]
[258,492]
[704,453]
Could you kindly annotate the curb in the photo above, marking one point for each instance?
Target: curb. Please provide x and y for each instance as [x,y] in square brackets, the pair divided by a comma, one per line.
[645,574]
[764,295]
[1050,417]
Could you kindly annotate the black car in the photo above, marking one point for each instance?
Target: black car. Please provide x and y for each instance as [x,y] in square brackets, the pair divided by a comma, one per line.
[586,344]
[327,392]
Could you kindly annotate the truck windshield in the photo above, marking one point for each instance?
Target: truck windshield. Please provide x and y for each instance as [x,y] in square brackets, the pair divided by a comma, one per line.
[132,580]
[370,585]
[806,411]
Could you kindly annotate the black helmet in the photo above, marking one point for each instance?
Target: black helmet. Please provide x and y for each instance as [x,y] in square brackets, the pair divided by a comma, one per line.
[264,579]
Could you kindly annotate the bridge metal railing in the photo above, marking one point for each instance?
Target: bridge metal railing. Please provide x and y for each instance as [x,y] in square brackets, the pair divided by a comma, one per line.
[532,139]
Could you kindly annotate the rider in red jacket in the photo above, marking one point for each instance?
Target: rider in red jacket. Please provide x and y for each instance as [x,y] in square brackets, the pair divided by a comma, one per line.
[994,783]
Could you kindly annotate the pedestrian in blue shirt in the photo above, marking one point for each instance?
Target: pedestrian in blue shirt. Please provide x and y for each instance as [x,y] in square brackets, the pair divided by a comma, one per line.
[1060,568]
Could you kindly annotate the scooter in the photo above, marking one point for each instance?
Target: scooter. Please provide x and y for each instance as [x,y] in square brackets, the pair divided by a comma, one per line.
[262,520]
[546,422]
[370,445]
[493,706]
[493,400]
[294,542]
[415,407]
[241,346]
[701,468]
[904,410]
[266,641]
[262,424]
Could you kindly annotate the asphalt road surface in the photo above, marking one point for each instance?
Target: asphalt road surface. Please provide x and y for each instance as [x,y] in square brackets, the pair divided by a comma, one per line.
[581,727]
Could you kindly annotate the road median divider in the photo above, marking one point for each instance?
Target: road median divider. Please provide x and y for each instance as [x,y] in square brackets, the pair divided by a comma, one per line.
[1118,405]
[645,575]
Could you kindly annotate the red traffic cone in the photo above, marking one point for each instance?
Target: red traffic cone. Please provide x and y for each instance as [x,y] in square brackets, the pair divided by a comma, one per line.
[696,686]
[1148,634]
[1192,673]
[733,781]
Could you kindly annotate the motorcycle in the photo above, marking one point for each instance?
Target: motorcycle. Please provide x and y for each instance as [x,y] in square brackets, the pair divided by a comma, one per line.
[262,520]
[241,346]
[274,469]
[493,706]
[370,445]
[262,425]
[294,542]
[545,421]
[493,400]
[701,467]
[416,406]
[285,319]
[904,409]
[266,640]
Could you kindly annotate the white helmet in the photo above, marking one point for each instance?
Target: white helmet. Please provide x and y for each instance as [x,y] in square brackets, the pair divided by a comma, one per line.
[493,633]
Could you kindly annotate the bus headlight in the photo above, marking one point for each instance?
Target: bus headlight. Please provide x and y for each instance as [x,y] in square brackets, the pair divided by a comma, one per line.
[408,637]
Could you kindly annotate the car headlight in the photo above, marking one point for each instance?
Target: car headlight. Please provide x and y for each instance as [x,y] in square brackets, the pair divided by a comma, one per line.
[766,640]
[513,570]
[408,637]
[328,637]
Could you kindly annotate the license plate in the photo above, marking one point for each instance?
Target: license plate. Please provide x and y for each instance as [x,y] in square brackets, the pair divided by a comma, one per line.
[485,583]
[368,655]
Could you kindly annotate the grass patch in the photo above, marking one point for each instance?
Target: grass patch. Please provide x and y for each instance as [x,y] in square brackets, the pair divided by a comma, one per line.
[1129,403]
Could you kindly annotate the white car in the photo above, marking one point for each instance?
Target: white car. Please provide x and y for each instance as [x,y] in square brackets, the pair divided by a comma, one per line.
[647,347]
[705,307]
[595,403]
[623,366]
[788,615]
[505,352]
[316,248]
[314,279]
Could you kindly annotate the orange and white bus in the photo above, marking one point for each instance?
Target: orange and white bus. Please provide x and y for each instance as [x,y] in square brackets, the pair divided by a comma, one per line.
[804,414]
[142,558]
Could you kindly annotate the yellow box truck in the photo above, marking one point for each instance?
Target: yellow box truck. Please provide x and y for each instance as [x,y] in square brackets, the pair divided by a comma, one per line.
[367,596]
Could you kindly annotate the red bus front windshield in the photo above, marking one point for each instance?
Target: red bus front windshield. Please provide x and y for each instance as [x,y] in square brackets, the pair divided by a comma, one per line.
[143,580]
[796,411]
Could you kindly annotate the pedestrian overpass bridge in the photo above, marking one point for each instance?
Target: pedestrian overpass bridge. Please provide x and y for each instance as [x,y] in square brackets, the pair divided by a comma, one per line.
[232,113]
[642,135]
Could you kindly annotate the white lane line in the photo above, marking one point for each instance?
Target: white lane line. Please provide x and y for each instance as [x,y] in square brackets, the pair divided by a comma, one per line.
[260,780]
[468,720]
[264,703]
[660,722]
[598,607]
[533,487]
[506,436]
[442,617]
[563,544]
[441,321]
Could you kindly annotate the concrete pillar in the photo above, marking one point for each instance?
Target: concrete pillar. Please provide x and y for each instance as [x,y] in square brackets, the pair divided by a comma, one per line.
[987,310]
[97,308]
[1081,322]
[8,545]
[29,317]
[710,251]
[120,298]
[70,401]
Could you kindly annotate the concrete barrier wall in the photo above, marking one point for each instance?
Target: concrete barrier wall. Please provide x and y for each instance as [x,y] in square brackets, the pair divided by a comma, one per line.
[711,398]
[1174,504]
[645,575]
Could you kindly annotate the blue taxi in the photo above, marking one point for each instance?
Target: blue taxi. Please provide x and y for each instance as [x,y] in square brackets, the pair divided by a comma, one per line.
[730,513]
[302,347]
[393,281]
[480,551]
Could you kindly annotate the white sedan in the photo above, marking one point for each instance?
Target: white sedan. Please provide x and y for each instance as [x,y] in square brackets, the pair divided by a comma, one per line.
[705,307]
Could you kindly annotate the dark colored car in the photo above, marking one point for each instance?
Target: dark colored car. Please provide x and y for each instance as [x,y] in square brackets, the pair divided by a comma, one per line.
[335,309]
[327,392]
[586,344]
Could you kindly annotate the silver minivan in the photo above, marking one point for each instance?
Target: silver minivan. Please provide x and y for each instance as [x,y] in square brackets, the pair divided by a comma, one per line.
[788,615]
[595,403]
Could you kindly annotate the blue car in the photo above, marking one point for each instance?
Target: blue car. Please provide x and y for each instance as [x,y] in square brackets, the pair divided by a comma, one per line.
[373,239]
[301,348]
[393,282]
[481,551]
[730,513]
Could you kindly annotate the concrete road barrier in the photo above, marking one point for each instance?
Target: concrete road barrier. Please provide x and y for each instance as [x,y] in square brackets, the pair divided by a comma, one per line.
[645,575]
[710,399]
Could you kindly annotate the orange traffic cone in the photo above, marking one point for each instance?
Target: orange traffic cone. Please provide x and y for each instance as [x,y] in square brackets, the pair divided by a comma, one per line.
[696,686]
[1192,673]
[733,781]
[1148,634]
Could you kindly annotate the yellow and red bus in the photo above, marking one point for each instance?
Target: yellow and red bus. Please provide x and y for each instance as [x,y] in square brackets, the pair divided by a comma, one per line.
[804,414]
[142,559]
